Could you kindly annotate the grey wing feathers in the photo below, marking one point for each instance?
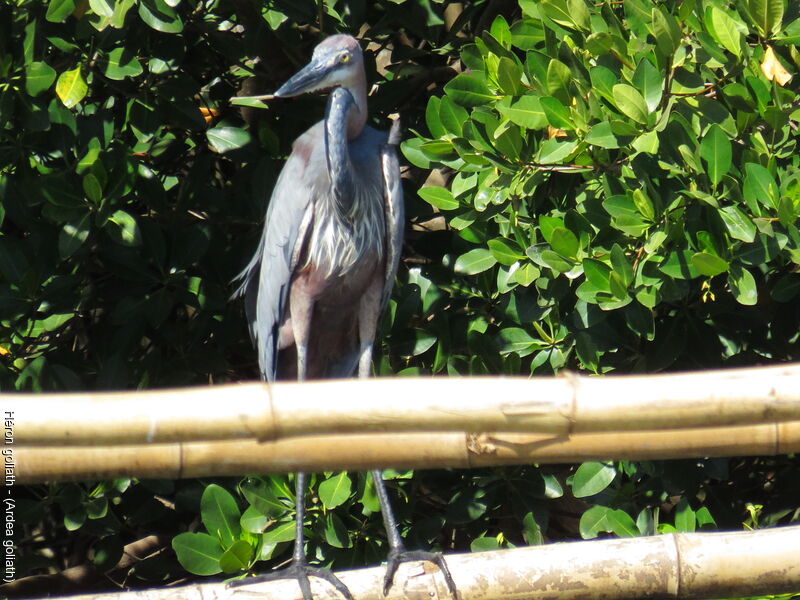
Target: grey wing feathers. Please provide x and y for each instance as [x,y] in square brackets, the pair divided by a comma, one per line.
[266,279]
[395,211]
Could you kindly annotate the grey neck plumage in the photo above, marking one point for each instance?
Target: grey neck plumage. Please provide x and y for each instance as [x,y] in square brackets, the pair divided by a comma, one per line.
[337,155]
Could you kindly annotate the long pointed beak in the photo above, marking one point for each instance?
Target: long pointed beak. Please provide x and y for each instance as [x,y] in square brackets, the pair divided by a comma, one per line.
[307,79]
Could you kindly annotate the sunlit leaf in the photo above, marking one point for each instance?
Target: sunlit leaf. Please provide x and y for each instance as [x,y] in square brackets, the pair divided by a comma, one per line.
[475,261]
[715,150]
[71,87]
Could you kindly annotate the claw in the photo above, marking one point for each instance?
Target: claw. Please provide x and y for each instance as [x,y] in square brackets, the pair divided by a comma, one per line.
[300,572]
[395,558]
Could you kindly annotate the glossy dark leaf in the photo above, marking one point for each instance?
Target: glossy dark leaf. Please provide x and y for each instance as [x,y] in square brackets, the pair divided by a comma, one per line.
[198,553]
[468,90]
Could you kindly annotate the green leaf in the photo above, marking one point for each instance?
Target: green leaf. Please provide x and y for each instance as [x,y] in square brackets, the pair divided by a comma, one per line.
[103,8]
[558,78]
[335,490]
[224,138]
[505,251]
[601,518]
[160,16]
[411,149]
[715,150]
[39,76]
[767,15]
[685,520]
[439,197]
[253,520]
[59,10]
[452,116]
[432,117]
[509,76]
[602,135]
[484,543]
[558,12]
[622,524]
[220,514]
[621,266]
[237,557]
[643,204]
[71,88]
[709,264]
[679,265]
[739,226]
[592,478]
[124,229]
[73,235]
[336,533]
[603,81]
[282,532]
[564,242]
[743,285]
[760,187]
[121,64]
[556,113]
[468,90]
[650,82]
[724,29]
[579,13]
[516,339]
[198,553]
[92,188]
[475,261]
[597,273]
[526,34]
[250,101]
[526,112]
[786,288]
[262,495]
[630,102]
[666,30]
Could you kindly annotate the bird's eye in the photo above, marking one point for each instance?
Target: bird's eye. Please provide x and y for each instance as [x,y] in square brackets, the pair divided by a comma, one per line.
[344,57]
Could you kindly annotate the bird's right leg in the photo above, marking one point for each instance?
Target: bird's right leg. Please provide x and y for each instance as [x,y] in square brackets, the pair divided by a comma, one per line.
[368,313]
[299,569]
[301,308]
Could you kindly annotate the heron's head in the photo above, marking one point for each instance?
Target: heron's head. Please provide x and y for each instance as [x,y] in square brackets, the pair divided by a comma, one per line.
[337,62]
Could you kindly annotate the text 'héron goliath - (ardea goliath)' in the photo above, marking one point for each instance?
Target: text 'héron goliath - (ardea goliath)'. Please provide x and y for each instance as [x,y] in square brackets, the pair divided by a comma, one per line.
[325,265]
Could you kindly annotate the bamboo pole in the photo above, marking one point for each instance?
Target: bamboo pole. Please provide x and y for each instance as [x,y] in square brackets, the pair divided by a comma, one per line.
[558,406]
[410,450]
[679,566]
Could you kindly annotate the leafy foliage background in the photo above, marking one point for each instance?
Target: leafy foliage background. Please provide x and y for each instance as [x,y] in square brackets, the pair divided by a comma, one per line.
[609,187]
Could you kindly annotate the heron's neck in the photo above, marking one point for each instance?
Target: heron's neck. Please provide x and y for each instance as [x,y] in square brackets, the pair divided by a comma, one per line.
[357,114]
[340,115]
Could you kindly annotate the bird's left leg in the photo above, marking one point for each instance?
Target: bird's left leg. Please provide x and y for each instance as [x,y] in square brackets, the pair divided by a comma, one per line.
[368,314]
[397,550]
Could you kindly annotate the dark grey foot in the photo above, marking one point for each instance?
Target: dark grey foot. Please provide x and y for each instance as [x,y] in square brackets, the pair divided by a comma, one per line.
[301,572]
[400,556]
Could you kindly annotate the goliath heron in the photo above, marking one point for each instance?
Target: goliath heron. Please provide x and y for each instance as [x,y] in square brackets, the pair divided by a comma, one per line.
[325,265]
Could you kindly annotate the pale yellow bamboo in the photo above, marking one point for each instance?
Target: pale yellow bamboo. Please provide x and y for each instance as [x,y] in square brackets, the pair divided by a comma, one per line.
[679,566]
[412,450]
[561,405]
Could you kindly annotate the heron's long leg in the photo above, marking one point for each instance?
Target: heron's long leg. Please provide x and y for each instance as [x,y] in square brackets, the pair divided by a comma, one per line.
[397,550]
[301,308]
[368,313]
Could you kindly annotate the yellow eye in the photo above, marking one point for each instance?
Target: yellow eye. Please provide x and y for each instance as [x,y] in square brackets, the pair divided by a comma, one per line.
[344,57]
